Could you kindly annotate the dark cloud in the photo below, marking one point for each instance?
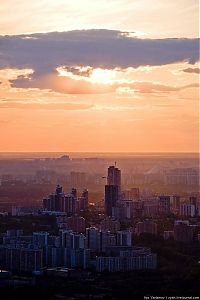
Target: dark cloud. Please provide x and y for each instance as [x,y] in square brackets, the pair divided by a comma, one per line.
[76,70]
[192,70]
[97,48]
[44,52]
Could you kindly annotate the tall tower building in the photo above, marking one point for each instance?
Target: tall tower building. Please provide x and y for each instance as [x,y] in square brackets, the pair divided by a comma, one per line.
[114,176]
[58,201]
[55,201]
[111,198]
[112,189]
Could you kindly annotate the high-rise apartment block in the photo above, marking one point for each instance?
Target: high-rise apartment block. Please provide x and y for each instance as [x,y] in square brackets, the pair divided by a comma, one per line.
[164,205]
[112,189]
[68,203]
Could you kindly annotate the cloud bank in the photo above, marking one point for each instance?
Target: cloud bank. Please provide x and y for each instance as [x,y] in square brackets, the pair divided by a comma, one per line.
[43,53]
[96,48]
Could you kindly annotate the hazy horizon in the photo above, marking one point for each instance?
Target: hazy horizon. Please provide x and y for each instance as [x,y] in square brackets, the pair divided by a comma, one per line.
[49,154]
[99,151]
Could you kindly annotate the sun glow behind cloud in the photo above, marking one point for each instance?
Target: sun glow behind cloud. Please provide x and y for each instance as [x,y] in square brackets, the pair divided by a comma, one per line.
[96,75]
[128,113]
[171,74]
[99,90]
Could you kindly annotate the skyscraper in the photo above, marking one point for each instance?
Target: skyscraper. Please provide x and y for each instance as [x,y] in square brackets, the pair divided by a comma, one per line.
[55,201]
[112,189]
[111,198]
[114,176]
[58,201]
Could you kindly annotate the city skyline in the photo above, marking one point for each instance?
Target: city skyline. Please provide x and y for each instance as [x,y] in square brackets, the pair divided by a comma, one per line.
[70,83]
[99,152]
[87,223]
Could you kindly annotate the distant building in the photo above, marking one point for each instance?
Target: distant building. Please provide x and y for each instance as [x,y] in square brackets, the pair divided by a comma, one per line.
[24,211]
[72,240]
[65,158]
[70,204]
[182,176]
[60,202]
[21,259]
[124,238]
[101,241]
[138,208]
[78,179]
[164,205]
[187,210]
[175,203]
[55,201]
[112,189]
[110,224]
[14,232]
[84,200]
[114,176]
[76,258]
[104,240]
[193,201]
[92,238]
[150,209]
[128,260]
[76,223]
[111,198]
[183,232]
[147,226]
[40,238]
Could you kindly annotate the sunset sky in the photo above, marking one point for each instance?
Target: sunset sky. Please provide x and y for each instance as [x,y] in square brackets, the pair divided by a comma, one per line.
[99,75]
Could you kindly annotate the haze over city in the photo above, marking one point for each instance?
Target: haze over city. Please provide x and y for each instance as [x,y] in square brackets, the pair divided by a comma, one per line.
[99,151]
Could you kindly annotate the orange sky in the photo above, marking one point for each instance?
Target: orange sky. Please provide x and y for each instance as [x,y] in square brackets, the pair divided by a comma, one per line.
[78,104]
